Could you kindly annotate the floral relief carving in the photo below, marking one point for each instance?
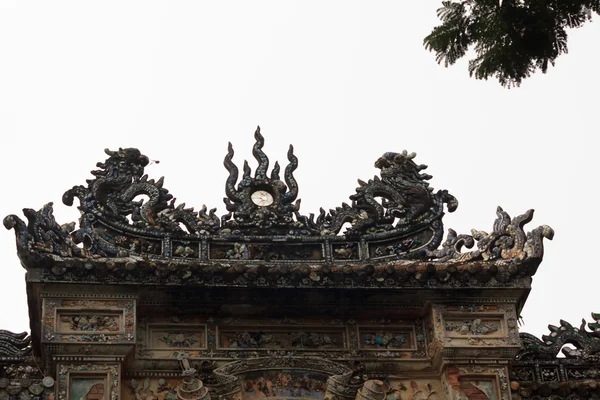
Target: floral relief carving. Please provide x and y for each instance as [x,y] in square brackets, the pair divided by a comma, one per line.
[179,339]
[312,339]
[282,339]
[475,326]
[347,251]
[91,322]
[243,337]
[471,324]
[386,340]
[390,338]
[86,320]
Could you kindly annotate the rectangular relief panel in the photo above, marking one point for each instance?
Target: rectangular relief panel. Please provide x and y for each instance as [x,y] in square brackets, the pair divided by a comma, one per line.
[185,249]
[489,325]
[292,338]
[151,247]
[176,337]
[474,326]
[266,251]
[163,338]
[89,321]
[233,337]
[387,338]
[83,320]
[346,251]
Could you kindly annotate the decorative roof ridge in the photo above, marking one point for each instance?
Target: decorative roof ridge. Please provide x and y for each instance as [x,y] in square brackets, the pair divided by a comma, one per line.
[584,389]
[398,273]
[538,371]
[14,347]
[586,343]
[393,216]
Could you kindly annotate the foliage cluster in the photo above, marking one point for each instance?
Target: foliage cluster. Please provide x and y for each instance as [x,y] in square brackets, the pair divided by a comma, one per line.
[511,38]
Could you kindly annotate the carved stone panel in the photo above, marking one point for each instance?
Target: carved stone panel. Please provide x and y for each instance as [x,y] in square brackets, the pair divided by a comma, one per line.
[389,338]
[396,339]
[224,338]
[177,337]
[476,326]
[167,338]
[470,326]
[346,251]
[185,249]
[272,337]
[80,320]
[89,321]
[266,251]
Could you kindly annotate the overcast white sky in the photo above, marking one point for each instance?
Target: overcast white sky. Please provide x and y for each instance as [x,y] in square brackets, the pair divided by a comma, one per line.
[344,81]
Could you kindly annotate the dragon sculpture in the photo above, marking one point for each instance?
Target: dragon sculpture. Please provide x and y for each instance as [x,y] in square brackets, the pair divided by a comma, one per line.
[586,343]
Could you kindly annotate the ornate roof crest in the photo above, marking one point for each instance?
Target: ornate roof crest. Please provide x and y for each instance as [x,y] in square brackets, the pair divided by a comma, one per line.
[262,205]
[586,343]
[540,372]
[392,216]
